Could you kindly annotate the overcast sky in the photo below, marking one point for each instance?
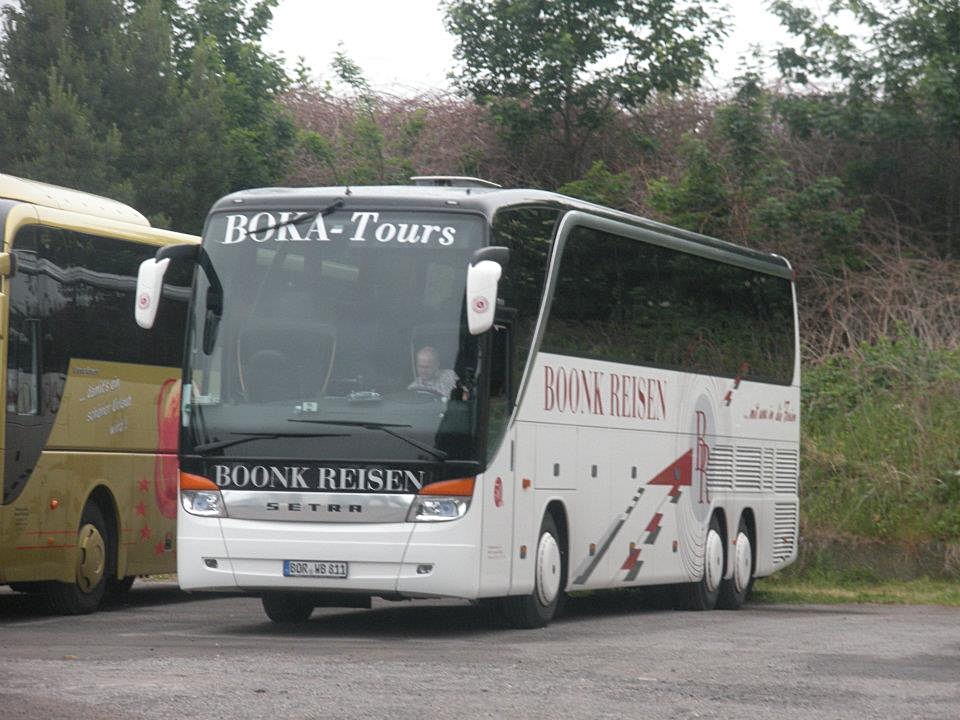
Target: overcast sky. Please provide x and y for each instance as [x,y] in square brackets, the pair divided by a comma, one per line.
[403,48]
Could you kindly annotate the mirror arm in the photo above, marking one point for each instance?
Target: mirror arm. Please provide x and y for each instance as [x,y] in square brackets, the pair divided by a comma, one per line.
[178,252]
[215,291]
[496,253]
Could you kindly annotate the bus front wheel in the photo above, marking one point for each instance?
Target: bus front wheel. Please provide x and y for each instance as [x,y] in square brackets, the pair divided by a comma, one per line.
[537,609]
[285,608]
[94,553]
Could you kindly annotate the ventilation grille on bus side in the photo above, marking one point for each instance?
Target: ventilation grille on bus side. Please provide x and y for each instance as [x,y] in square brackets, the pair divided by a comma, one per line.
[720,468]
[748,468]
[740,467]
[753,468]
[784,531]
[786,472]
[769,463]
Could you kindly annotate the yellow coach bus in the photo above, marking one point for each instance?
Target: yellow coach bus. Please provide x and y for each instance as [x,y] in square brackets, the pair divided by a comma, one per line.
[92,401]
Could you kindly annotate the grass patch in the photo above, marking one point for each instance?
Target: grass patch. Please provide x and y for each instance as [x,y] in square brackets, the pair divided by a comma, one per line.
[880,453]
[822,590]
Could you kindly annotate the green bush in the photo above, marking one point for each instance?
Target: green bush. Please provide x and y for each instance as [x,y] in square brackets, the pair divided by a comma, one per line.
[881,457]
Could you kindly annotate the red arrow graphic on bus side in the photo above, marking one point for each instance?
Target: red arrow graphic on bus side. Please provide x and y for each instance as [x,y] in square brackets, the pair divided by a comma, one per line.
[631,562]
[676,474]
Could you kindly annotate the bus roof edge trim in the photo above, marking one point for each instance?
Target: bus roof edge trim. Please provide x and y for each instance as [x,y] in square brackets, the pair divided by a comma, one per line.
[61,198]
[452,181]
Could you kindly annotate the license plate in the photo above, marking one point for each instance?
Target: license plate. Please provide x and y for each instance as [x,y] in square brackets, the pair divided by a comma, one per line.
[315,568]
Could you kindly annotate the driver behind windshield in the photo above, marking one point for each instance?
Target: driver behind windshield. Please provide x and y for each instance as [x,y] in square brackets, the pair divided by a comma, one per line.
[429,375]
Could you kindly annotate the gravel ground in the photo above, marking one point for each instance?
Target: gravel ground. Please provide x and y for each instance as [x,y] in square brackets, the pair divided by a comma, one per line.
[161,654]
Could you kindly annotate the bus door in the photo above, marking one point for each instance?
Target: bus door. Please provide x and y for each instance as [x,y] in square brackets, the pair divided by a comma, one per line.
[25,431]
[499,493]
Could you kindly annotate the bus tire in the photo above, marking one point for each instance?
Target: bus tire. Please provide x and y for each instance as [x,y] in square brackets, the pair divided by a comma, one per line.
[94,560]
[734,591]
[704,593]
[284,608]
[120,586]
[538,608]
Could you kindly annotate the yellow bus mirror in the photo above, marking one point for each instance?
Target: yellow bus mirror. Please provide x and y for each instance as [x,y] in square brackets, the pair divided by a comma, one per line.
[8,264]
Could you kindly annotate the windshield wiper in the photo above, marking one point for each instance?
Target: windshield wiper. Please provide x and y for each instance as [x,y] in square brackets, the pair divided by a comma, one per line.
[218,444]
[436,452]
[322,212]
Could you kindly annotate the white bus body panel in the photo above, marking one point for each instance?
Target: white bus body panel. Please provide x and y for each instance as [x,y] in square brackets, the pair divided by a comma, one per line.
[636,481]
[384,557]
[655,454]
[496,494]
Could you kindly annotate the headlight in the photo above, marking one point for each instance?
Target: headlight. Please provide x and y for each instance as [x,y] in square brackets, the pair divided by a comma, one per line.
[442,501]
[208,503]
[201,496]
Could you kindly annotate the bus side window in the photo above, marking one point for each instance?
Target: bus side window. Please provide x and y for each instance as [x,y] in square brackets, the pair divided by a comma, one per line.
[23,397]
[23,352]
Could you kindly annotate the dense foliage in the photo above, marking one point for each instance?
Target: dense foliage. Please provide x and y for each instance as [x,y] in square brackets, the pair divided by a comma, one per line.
[847,162]
[160,104]
[567,68]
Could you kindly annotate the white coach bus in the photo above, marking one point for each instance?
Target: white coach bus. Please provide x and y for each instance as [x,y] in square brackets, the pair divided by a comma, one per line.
[456,390]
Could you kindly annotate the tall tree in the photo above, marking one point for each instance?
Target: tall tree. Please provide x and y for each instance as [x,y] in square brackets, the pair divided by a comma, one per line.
[260,134]
[895,87]
[166,105]
[58,144]
[565,67]
[61,61]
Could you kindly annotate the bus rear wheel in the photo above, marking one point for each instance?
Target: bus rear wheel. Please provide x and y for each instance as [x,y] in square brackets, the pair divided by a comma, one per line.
[94,554]
[734,591]
[703,594]
[538,608]
[285,608]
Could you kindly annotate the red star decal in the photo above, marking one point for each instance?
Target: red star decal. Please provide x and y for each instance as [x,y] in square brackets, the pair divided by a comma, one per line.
[144,485]
[141,509]
[145,532]
[158,549]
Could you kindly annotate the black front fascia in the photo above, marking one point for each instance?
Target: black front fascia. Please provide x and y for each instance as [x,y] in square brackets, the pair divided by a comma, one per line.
[387,478]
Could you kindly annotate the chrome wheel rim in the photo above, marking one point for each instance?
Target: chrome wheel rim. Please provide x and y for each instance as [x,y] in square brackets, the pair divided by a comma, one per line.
[713,572]
[742,562]
[548,569]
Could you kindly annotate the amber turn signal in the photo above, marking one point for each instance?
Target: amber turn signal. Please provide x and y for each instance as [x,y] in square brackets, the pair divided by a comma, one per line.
[461,487]
[196,482]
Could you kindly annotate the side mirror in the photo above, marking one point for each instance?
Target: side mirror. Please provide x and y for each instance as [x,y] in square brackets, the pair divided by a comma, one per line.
[149,290]
[482,280]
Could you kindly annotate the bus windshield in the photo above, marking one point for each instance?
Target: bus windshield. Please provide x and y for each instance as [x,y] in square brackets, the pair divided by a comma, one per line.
[336,337]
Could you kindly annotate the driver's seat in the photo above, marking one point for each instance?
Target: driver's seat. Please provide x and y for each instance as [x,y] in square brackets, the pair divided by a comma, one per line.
[285,360]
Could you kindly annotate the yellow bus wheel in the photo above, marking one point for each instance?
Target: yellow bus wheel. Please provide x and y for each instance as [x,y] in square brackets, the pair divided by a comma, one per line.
[92,557]
[94,553]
